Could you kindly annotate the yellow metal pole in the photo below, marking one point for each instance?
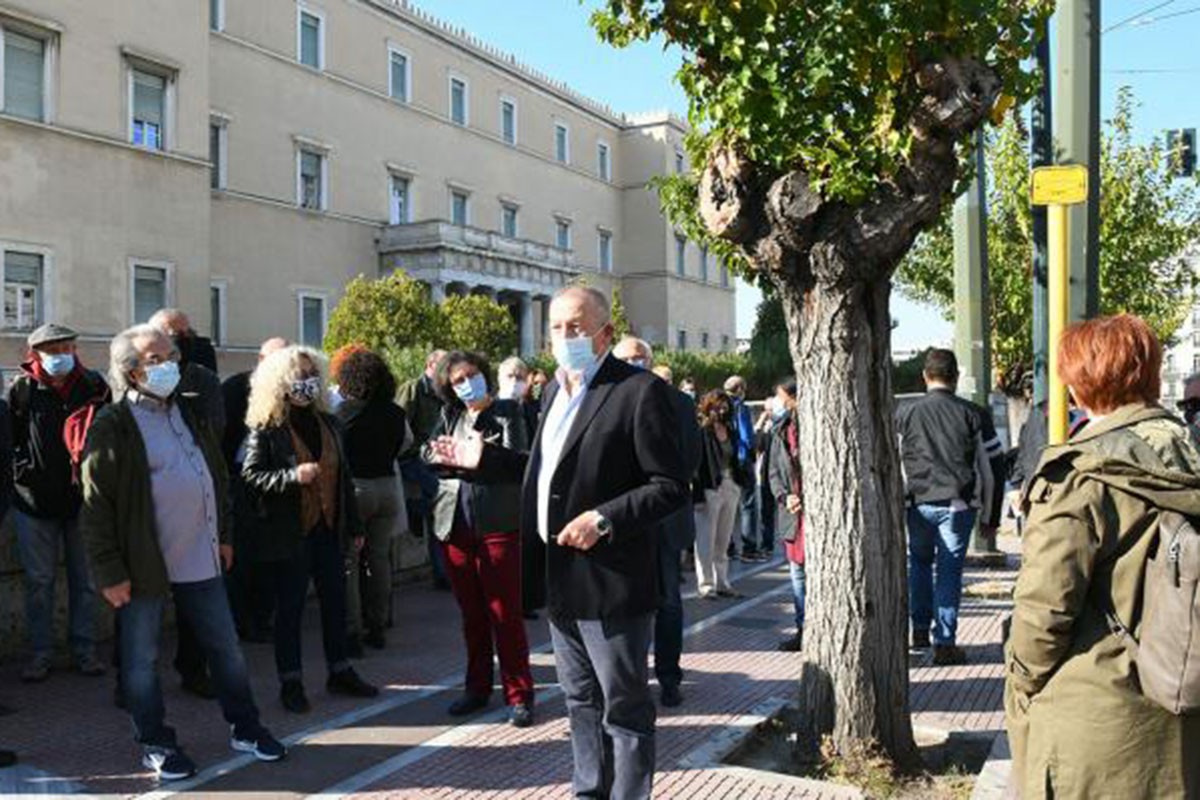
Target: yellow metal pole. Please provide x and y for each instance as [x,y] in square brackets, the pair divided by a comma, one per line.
[1060,309]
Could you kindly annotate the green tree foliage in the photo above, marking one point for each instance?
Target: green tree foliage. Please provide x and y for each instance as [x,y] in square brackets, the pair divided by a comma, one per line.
[620,321]
[385,314]
[1147,218]
[480,325]
[709,370]
[769,351]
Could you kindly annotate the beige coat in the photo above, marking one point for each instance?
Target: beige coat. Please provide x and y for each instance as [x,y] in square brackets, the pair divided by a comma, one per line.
[1078,724]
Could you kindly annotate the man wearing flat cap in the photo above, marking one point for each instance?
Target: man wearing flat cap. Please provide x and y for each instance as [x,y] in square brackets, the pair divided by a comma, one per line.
[52,387]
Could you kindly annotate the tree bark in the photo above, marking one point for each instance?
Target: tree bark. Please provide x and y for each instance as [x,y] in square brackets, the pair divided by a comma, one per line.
[855,679]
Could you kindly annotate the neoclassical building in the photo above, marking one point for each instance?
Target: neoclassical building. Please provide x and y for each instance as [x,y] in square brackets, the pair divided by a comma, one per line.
[245,159]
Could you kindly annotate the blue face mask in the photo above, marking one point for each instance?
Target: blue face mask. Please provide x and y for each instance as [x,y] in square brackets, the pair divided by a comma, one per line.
[160,380]
[575,354]
[58,364]
[778,412]
[472,390]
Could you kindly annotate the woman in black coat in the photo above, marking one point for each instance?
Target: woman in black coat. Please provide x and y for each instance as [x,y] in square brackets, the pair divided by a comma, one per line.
[298,478]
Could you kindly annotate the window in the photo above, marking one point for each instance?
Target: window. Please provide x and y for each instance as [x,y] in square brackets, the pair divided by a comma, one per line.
[724,276]
[605,258]
[149,291]
[310,44]
[216,303]
[725,343]
[1196,363]
[508,120]
[508,220]
[312,319]
[704,265]
[458,101]
[562,143]
[680,255]
[603,167]
[460,207]
[23,289]
[310,179]
[704,340]
[216,15]
[399,75]
[23,69]
[680,164]
[1196,317]
[562,234]
[217,147]
[148,123]
[399,207]
[681,339]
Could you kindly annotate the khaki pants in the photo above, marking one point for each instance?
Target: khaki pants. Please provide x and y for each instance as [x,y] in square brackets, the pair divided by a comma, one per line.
[715,521]
[383,514]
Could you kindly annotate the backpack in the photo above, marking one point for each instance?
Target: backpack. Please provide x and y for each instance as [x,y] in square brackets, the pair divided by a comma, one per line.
[1167,653]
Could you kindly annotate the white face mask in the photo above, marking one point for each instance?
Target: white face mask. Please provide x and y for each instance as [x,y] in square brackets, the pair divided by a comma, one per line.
[512,390]
[160,379]
[576,354]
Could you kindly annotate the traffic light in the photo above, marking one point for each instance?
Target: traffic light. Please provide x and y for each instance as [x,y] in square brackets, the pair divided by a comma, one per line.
[1181,152]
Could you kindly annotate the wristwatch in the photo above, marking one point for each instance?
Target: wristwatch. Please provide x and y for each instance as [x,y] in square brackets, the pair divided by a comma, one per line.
[604,526]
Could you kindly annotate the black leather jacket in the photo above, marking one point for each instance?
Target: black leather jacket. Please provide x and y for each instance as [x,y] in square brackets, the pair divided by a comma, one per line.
[269,474]
[495,504]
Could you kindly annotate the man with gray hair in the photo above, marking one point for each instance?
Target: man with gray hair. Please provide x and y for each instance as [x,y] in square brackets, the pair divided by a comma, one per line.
[677,534]
[603,474]
[155,519]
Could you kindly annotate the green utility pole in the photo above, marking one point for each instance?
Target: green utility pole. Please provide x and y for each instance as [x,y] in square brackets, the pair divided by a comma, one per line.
[1041,155]
[972,328]
[1077,135]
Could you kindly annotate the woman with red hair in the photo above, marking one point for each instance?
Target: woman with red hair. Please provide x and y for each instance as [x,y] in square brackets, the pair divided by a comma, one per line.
[1078,722]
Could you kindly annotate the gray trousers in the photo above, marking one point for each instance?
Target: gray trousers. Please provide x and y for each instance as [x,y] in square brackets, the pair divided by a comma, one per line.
[603,671]
[382,511]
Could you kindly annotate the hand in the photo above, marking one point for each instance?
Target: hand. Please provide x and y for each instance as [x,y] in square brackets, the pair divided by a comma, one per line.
[307,473]
[118,595]
[794,505]
[582,533]
[458,453]
[226,551]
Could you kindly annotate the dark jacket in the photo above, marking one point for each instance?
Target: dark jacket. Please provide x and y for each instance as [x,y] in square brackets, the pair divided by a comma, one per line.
[494,501]
[235,392]
[376,432]
[710,471]
[269,473]
[202,383]
[950,451]
[42,471]
[621,458]
[117,517]
[421,403]
[782,473]
[679,529]
[6,460]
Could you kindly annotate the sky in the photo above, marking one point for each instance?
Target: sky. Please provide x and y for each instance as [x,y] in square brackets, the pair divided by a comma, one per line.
[1155,52]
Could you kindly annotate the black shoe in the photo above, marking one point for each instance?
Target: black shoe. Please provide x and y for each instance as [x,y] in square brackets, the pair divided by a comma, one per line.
[948,655]
[346,681]
[793,644]
[467,704]
[354,648]
[200,685]
[521,716]
[375,640]
[7,758]
[730,593]
[669,695]
[920,640]
[168,763]
[258,741]
[530,615]
[291,694]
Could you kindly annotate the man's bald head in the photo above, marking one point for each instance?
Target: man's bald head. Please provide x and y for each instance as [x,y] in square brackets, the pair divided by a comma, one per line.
[171,321]
[632,348]
[581,311]
[272,345]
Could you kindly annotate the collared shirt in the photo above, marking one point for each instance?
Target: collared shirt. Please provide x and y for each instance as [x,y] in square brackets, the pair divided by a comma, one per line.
[560,418]
[181,487]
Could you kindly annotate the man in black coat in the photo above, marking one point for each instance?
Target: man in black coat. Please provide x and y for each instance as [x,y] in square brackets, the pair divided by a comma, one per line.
[605,471]
[677,534]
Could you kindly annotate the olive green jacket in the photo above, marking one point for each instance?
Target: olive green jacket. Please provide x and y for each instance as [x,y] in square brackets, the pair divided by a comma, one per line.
[117,517]
[1078,724]
[423,407]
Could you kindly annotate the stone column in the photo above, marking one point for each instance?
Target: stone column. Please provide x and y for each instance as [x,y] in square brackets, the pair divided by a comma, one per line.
[528,345]
[437,292]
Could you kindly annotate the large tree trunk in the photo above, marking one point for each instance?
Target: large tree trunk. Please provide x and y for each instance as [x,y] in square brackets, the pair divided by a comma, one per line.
[855,680]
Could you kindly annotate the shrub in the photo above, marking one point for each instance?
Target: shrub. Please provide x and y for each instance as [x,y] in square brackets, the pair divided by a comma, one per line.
[480,325]
[385,314]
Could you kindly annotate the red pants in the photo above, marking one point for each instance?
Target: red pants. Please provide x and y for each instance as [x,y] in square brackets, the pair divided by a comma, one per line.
[485,573]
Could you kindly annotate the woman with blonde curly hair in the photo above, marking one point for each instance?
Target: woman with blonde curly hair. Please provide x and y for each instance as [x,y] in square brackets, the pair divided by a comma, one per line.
[296,472]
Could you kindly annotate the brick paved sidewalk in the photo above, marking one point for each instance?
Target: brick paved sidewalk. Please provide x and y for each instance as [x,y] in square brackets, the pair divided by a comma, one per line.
[71,739]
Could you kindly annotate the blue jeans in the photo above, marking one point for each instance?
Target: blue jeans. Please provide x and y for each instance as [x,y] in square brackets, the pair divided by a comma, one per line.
[798,576]
[937,533]
[748,515]
[39,544]
[668,622]
[204,605]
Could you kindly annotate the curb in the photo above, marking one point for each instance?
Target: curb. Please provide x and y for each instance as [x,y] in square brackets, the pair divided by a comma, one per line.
[992,783]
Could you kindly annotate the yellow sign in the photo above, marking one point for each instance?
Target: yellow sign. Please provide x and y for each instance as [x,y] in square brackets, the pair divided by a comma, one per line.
[1060,186]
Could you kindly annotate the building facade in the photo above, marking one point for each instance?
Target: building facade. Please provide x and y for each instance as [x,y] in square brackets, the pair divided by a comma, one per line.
[245,160]
[1182,357]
